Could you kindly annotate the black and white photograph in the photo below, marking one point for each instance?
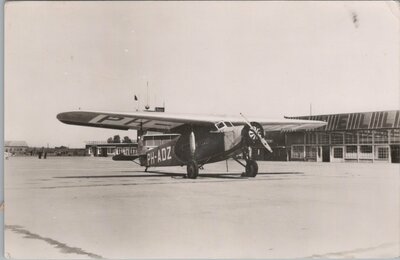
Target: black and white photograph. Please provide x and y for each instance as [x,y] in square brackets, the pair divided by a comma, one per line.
[201,129]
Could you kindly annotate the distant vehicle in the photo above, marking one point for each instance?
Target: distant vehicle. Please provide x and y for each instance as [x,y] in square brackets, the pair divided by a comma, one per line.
[191,140]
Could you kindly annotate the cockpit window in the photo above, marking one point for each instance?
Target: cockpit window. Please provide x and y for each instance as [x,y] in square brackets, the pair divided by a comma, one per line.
[220,125]
[229,124]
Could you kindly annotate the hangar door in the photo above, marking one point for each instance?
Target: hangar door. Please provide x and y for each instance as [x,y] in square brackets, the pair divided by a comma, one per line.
[326,154]
[395,153]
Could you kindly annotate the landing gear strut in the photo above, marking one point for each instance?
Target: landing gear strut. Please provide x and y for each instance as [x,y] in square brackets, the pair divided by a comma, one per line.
[192,170]
[251,166]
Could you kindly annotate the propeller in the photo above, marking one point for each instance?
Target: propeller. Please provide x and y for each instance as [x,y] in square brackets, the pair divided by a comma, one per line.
[192,144]
[256,132]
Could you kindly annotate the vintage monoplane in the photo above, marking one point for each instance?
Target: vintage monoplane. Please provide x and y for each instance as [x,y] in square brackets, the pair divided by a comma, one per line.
[199,140]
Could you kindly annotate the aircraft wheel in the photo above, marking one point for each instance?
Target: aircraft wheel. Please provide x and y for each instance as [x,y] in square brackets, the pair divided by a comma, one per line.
[251,168]
[192,170]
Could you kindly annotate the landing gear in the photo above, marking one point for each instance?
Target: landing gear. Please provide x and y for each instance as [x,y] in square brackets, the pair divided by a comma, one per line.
[192,170]
[251,168]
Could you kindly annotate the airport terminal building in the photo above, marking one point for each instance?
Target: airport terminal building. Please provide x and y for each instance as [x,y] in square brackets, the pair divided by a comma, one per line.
[352,137]
[104,149]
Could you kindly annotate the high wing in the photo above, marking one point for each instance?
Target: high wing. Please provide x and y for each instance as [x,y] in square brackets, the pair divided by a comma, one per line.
[165,122]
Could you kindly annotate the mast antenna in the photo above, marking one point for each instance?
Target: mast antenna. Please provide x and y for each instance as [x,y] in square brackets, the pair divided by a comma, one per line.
[147,106]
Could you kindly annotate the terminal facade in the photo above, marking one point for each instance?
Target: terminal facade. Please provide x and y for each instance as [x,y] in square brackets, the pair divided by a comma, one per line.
[351,137]
[104,149]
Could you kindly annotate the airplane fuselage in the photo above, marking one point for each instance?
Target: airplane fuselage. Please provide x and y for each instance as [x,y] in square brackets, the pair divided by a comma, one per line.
[209,146]
[200,139]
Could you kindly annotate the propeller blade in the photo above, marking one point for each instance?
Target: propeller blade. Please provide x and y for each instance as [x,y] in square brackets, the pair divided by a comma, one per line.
[262,140]
[265,143]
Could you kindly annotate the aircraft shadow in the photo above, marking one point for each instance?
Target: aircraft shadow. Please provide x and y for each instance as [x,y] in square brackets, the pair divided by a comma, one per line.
[239,175]
[233,175]
[117,176]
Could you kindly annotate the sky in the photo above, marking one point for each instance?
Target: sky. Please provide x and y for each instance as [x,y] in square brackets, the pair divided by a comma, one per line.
[260,58]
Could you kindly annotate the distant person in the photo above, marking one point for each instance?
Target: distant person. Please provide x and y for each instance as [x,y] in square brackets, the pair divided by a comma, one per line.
[42,153]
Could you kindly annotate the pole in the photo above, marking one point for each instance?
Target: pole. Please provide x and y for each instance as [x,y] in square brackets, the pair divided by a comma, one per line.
[147,105]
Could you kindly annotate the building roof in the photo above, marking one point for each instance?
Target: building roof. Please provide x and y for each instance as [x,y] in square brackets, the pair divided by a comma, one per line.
[105,142]
[15,143]
[357,121]
[111,145]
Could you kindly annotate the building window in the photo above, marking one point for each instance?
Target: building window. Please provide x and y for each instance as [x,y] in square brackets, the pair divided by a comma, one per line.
[337,138]
[365,137]
[311,138]
[296,138]
[382,153]
[395,136]
[338,152]
[323,138]
[297,152]
[381,137]
[351,152]
[350,138]
[366,148]
[311,152]
[365,152]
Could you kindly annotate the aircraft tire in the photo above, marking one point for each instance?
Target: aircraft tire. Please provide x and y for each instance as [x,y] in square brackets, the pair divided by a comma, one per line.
[192,170]
[251,168]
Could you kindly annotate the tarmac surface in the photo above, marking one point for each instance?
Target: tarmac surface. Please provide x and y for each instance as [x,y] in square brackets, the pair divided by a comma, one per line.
[81,207]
